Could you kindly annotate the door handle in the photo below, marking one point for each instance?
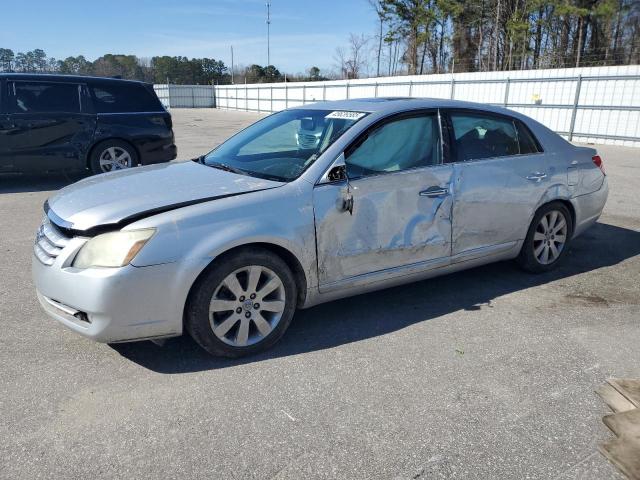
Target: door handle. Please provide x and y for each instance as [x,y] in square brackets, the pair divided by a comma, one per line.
[434,191]
[537,176]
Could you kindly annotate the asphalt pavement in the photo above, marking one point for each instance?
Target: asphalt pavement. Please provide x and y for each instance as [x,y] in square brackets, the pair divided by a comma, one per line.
[482,374]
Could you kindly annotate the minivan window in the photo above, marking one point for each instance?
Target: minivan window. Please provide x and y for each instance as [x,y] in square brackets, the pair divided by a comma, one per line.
[483,136]
[123,98]
[397,145]
[44,97]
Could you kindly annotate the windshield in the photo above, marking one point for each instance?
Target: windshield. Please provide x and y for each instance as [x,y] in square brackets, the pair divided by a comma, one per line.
[281,146]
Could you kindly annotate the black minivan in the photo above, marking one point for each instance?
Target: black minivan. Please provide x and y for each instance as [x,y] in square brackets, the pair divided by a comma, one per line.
[63,122]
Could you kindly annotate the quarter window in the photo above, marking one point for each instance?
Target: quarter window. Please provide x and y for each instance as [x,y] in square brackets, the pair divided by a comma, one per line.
[527,143]
[397,145]
[124,98]
[42,97]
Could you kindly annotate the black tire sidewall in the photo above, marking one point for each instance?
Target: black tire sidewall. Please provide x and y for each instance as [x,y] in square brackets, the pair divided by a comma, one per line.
[527,259]
[94,160]
[197,311]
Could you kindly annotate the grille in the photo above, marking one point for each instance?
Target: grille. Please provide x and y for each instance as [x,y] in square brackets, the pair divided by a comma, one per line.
[49,242]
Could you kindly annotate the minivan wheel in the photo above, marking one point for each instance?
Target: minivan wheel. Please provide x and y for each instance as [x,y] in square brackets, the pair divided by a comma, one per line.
[242,305]
[112,155]
[548,238]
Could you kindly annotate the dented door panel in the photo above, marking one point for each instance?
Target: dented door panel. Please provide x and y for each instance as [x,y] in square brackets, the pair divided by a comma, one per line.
[392,224]
[495,199]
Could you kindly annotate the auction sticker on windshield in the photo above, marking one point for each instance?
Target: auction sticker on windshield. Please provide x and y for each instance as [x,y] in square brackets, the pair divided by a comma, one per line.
[346,115]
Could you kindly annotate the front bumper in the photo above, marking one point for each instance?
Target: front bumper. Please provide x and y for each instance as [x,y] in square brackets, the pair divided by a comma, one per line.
[113,304]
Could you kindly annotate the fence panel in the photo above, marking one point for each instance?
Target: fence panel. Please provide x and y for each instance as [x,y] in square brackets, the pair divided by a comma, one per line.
[186,96]
[593,104]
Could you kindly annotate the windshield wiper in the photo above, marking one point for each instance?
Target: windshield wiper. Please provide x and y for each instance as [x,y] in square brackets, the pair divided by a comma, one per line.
[227,168]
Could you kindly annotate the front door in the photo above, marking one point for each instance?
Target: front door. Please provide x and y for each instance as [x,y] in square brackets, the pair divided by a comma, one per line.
[395,209]
[48,130]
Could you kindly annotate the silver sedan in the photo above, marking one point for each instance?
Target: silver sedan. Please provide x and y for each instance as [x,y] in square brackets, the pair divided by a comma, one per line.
[389,191]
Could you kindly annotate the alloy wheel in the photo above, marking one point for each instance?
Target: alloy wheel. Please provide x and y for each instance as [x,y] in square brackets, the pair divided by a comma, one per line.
[550,237]
[115,158]
[247,306]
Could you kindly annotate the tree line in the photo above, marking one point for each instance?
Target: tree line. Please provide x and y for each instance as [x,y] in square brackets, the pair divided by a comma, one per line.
[436,36]
[156,69]
[162,69]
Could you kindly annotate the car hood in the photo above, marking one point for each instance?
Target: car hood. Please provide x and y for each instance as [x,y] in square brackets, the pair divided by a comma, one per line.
[118,198]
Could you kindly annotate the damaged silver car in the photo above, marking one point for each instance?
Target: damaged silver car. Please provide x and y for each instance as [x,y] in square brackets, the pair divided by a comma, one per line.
[388,191]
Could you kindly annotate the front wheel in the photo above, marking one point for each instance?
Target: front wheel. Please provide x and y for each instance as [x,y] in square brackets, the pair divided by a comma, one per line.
[548,238]
[242,305]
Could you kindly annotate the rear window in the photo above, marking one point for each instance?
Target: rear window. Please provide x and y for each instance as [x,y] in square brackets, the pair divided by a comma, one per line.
[124,98]
[43,97]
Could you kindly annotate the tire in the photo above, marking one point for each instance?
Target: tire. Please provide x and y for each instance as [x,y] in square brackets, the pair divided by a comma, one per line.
[548,238]
[228,318]
[102,161]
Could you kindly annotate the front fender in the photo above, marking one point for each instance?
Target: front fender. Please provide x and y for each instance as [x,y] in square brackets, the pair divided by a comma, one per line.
[282,217]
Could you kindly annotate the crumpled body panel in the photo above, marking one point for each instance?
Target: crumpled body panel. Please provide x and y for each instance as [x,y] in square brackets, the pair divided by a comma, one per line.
[391,224]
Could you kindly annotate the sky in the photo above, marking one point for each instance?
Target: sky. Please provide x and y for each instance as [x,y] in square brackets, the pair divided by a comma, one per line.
[304,33]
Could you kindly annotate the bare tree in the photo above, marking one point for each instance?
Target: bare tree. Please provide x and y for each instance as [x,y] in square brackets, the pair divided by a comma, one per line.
[353,60]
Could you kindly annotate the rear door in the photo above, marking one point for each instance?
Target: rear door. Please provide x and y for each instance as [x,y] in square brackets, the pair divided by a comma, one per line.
[49,128]
[398,210]
[500,177]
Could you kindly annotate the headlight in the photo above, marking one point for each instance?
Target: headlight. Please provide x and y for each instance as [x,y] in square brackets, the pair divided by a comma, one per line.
[115,249]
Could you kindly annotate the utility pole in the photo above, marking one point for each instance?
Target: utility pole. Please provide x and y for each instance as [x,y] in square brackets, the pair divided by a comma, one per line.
[232,82]
[268,33]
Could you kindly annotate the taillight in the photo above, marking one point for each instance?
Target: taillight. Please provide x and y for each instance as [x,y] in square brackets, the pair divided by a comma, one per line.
[598,162]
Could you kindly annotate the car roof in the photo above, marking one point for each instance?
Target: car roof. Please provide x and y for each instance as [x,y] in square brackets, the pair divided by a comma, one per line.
[400,104]
[66,78]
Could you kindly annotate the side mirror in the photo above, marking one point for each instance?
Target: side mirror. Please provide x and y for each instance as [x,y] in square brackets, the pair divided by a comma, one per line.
[337,173]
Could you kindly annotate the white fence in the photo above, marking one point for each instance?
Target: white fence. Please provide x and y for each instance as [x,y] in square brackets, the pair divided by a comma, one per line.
[593,105]
[186,96]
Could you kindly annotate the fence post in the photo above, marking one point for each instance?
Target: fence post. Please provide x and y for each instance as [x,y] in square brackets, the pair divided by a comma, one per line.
[271,97]
[193,97]
[324,92]
[375,92]
[347,90]
[286,95]
[506,92]
[410,87]
[576,101]
[304,94]
[246,96]
[453,87]
[259,90]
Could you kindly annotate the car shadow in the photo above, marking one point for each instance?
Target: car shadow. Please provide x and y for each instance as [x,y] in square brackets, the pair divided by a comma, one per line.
[371,315]
[24,183]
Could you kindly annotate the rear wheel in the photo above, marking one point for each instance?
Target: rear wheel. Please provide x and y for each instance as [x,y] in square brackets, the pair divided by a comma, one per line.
[242,305]
[112,155]
[548,238]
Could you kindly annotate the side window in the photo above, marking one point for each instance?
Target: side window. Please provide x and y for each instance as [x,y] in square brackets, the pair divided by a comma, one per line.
[114,98]
[483,136]
[527,143]
[398,145]
[42,97]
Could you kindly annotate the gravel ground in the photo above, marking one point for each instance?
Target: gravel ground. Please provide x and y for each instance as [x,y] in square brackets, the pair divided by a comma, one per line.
[487,373]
